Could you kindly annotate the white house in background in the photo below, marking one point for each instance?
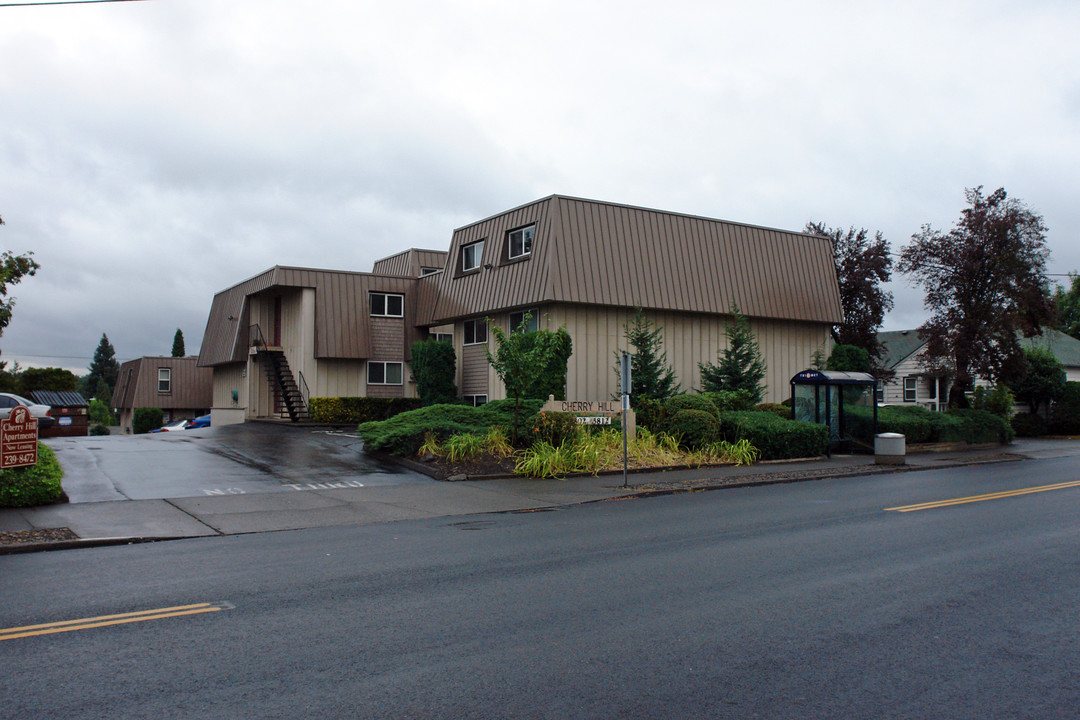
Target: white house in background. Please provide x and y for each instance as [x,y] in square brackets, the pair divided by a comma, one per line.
[914,385]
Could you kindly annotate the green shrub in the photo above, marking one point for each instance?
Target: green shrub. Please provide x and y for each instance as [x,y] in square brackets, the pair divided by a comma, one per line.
[728,400]
[781,411]
[404,433]
[1028,425]
[1065,413]
[774,437]
[694,428]
[981,426]
[999,401]
[34,485]
[688,401]
[914,422]
[434,366]
[99,429]
[649,411]
[146,419]
[946,427]
[100,413]
[554,428]
[351,410]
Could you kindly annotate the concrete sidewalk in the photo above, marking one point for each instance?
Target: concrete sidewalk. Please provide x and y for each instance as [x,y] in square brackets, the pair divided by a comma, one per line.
[115,522]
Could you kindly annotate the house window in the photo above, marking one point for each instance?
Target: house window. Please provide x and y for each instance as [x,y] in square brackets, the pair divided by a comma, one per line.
[471,256]
[383,373]
[475,332]
[519,242]
[387,305]
[442,337]
[474,400]
[428,271]
[910,386]
[880,392]
[164,380]
[531,319]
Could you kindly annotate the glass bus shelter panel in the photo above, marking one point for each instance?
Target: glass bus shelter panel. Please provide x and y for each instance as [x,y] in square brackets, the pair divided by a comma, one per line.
[805,402]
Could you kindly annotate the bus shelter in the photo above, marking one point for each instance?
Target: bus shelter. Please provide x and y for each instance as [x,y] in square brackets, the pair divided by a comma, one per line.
[845,402]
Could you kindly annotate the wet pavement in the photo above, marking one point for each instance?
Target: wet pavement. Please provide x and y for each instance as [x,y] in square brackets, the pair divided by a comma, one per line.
[242,459]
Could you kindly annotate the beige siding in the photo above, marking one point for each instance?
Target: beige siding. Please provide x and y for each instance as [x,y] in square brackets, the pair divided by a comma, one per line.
[228,378]
[598,334]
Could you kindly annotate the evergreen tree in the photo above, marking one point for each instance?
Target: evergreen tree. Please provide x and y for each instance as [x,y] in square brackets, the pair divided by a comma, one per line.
[741,365]
[1068,307]
[650,374]
[178,344]
[104,367]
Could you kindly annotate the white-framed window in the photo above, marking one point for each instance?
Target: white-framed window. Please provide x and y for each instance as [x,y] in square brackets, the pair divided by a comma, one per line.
[519,242]
[164,380]
[383,373]
[911,386]
[442,337]
[474,400]
[472,255]
[428,271]
[387,305]
[531,318]
[475,332]
[880,392]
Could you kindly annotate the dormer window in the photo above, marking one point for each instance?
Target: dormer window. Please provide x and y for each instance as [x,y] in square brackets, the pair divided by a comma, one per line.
[519,242]
[471,256]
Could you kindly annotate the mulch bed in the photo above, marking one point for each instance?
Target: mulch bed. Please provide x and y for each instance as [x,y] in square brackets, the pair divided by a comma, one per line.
[24,537]
[440,469]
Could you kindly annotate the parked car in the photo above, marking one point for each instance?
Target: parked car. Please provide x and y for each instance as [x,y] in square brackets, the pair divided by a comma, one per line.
[38,411]
[172,427]
[199,422]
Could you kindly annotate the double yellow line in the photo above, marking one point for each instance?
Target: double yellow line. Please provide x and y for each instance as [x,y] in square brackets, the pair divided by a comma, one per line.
[982,498]
[106,620]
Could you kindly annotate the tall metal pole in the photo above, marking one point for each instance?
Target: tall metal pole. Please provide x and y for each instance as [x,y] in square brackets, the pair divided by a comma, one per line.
[625,406]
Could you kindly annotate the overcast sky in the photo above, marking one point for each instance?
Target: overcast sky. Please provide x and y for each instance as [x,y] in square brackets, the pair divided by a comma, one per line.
[154,153]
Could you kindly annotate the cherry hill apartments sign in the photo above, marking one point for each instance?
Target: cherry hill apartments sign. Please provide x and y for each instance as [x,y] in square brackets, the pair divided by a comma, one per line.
[18,439]
[593,412]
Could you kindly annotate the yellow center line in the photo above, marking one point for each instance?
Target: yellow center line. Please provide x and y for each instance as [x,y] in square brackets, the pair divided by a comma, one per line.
[982,498]
[106,620]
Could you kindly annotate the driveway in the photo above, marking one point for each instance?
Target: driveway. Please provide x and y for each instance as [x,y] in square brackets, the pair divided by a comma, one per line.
[231,460]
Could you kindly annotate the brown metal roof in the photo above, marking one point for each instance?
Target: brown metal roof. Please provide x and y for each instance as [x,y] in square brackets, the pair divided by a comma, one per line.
[409,263]
[191,386]
[592,252]
[342,320]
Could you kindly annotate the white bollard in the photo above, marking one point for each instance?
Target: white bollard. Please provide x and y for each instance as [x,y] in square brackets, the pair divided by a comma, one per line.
[889,449]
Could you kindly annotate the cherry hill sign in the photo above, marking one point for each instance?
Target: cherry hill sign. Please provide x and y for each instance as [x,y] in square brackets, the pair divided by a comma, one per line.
[18,439]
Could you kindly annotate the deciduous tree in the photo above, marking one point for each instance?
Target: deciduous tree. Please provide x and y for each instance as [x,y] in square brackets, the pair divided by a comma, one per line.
[1068,307]
[13,268]
[862,267]
[1043,379]
[985,283]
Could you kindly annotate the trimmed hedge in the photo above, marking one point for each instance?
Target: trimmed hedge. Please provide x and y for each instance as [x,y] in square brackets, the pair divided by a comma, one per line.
[1065,413]
[687,401]
[1028,425]
[694,428]
[776,438]
[35,485]
[355,410]
[781,411]
[729,400]
[146,419]
[404,433]
[919,425]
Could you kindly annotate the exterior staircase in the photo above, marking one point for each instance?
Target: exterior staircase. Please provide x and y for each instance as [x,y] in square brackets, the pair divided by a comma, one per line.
[290,393]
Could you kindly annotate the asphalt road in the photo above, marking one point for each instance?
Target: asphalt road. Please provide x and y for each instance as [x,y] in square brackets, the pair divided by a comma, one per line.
[234,459]
[810,600]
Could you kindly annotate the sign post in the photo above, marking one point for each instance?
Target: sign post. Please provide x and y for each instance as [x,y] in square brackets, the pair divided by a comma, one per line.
[18,439]
[625,378]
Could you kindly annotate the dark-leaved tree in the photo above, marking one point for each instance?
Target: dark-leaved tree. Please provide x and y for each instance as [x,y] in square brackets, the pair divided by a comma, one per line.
[985,284]
[104,367]
[178,344]
[863,266]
